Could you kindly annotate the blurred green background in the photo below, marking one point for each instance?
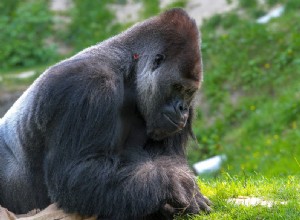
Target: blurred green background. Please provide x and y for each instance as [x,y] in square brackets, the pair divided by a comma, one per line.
[249,106]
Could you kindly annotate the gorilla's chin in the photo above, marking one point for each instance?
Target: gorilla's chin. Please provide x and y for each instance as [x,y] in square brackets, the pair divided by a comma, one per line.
[165,129]
[159,135]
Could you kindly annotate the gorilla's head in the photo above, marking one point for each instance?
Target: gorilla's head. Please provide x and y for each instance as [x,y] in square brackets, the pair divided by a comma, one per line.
[169,72]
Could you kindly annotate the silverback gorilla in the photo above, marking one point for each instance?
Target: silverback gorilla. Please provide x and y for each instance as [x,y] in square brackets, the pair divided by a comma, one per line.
[104,132]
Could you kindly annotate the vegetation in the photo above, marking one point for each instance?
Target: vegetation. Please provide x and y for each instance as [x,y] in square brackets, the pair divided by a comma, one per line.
[250,100]
[250,112]
[91,22]
[279,196]
[251,91]
[25,27]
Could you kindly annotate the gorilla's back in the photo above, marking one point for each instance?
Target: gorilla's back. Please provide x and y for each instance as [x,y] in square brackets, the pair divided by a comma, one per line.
[23,191]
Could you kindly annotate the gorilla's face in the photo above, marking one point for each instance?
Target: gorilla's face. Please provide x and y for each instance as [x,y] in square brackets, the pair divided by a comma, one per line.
[166,85]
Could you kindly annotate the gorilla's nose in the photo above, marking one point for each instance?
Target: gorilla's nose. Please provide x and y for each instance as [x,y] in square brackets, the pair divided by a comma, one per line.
[180,108]
[177,113]
[182,111]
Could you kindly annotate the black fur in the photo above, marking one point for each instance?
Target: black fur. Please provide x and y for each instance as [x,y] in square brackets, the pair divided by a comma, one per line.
[86,136]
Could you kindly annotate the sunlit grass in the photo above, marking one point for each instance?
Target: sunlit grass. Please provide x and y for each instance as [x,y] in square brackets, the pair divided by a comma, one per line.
[251,94]
[283,193]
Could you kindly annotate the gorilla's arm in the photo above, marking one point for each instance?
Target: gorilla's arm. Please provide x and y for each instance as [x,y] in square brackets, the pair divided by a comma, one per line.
[86,169]
[100,186]
[83,172]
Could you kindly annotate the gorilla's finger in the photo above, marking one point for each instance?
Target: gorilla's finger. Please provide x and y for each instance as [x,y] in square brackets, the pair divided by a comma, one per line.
[193,208]
[204,204]
[207,201]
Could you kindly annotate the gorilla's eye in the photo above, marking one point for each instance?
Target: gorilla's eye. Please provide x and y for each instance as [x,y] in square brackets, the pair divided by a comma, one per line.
[178,87]
[190,93]
[157,61]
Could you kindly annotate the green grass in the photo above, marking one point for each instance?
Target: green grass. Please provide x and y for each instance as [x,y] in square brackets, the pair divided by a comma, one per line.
[251,113]
[251,94]
[250,109]
[275,190]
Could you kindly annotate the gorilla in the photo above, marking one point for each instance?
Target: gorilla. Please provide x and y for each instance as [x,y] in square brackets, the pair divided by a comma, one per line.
[104,132]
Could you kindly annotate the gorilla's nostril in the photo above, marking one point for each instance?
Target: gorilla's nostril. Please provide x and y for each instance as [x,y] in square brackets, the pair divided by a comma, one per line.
[181,108]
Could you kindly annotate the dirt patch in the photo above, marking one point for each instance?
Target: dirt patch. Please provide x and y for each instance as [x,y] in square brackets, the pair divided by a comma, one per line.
[204,9]
[50,213]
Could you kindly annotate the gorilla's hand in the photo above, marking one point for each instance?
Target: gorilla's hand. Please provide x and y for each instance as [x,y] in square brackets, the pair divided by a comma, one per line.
[200,203]
[184,194]
[187,199]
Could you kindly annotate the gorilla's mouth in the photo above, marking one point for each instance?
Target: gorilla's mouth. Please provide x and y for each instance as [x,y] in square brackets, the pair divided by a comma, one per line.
[179,125]
[166,127]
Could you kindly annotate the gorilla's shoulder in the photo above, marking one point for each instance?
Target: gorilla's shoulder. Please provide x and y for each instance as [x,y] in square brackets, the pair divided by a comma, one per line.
[72,65]
[83,69]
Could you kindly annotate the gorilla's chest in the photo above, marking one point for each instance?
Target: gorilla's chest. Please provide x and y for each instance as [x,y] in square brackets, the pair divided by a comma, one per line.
[132,127]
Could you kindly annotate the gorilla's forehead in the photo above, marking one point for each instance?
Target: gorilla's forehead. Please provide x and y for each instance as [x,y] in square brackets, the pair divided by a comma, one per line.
[186,54]
[185,51]
[191,84]
[191,67]
[190,64]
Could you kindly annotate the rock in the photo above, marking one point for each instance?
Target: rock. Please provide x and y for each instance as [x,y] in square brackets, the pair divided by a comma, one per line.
[253,201]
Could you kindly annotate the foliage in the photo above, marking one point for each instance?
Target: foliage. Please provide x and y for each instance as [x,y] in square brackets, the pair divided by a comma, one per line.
[251,94]
[92,22]
[98,22]
[247,3]
[26,29]
[24,25]
[177,4]
[150,8]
